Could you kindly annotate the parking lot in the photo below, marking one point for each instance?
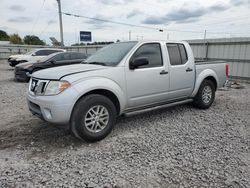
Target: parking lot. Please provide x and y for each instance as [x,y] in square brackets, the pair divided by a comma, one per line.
[175,147]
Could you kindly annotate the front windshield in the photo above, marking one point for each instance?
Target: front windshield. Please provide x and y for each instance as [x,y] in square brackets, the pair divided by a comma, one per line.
[46,58]
[111,55]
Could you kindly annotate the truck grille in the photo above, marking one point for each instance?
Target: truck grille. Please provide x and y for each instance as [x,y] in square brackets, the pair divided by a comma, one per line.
[37,87]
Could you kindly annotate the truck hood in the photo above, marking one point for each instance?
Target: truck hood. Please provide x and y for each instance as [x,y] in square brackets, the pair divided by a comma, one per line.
[58,73]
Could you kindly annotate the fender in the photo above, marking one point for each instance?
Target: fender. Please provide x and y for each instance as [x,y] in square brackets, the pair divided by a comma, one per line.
[199,79]
[93,83]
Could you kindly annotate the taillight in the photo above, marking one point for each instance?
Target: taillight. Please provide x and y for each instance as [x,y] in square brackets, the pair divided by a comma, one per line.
[227,69]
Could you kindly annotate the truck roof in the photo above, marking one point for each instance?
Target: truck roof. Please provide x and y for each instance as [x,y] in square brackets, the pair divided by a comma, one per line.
[148,41]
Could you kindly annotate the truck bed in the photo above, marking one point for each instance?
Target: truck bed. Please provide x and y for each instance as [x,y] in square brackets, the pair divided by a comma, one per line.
[200,62]
[217,66]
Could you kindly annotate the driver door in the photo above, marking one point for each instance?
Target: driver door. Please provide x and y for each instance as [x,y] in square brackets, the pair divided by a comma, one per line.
[147,84]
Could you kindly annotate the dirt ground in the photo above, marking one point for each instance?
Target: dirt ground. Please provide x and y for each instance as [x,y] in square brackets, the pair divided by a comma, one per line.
[175,147]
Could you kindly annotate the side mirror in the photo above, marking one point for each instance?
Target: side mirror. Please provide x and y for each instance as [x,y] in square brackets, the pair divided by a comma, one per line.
[140,61]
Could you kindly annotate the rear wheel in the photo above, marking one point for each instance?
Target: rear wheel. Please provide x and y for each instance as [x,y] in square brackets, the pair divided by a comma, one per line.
[205,96]
[93,117]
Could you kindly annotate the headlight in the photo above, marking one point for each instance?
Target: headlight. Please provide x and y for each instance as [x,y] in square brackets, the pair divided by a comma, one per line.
[56,87]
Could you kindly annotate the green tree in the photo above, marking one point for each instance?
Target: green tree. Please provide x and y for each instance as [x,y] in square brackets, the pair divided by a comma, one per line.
[15,39]
[33,40]
[3,36]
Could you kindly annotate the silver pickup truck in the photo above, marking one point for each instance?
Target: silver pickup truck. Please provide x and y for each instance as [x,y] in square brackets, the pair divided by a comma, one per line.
[122,78]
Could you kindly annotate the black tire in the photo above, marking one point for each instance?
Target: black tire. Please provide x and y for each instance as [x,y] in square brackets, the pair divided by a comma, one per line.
[203,102]
[82,110]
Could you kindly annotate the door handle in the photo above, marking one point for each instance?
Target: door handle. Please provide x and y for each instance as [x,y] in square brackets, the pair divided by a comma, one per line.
[189,69]
[163,72]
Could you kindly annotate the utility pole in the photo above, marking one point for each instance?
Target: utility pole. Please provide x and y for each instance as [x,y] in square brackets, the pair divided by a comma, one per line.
[129,35]
[205,34]
[60,21]
[205,45]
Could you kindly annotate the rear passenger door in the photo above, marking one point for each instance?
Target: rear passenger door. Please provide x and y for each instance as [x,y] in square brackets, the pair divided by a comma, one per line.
[182,72]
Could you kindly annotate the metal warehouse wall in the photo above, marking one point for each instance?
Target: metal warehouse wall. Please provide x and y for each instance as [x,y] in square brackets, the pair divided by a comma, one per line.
[7,50]
[84,49]
[235,51]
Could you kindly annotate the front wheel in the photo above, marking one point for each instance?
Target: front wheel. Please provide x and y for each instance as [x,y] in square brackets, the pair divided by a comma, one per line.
[93,117]
[205,96]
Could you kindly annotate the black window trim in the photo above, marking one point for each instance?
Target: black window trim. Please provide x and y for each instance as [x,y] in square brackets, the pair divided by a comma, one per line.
[162,65]
[178,45]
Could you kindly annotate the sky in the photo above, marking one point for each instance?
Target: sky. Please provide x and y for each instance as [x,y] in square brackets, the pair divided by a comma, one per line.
[179,19]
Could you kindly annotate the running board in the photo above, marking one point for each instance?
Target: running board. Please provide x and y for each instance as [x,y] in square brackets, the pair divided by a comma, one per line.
[146,109]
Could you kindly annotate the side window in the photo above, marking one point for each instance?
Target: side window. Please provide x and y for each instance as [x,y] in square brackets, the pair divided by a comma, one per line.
[48,52]
[74,56]
[82,56]
[54,51]
[66,56]
[174,54]
[45,52]
[77,56]
[41,53]
[177,54]
[58,57]
[151,51]
[62,57]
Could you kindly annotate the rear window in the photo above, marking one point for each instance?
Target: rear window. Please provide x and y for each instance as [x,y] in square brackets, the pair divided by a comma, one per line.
[62,57]
[41,53]
[177,54]
[46,52]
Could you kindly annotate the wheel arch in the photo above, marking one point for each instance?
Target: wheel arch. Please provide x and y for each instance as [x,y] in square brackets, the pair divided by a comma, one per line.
[107,93]
[102,86]
[205,74]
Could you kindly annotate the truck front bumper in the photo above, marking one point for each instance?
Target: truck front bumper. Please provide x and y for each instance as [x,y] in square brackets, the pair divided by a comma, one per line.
[54,109]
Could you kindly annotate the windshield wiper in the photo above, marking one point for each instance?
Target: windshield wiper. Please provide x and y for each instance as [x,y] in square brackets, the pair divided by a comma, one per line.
[96,63]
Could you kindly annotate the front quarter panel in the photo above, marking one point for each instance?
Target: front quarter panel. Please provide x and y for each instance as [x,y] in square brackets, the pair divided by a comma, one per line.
[94,83]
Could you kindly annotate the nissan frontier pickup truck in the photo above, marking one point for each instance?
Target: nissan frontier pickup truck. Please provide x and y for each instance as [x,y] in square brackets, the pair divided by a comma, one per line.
[122,78]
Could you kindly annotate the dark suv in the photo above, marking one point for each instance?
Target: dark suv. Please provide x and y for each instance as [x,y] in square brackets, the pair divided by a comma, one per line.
[23,70]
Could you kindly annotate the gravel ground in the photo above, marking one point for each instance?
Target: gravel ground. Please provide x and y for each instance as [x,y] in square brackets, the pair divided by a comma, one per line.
[175,147]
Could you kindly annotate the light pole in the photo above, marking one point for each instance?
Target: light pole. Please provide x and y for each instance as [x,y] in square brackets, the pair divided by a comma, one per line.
[60,21]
